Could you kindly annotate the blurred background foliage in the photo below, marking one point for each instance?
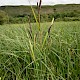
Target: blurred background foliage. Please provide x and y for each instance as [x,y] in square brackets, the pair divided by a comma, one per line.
[19,14]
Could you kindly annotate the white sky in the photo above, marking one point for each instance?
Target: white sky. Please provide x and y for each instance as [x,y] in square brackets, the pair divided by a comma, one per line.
[33,2]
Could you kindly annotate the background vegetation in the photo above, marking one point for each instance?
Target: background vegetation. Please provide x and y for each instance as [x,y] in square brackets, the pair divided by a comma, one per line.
[19,14]
[3,17]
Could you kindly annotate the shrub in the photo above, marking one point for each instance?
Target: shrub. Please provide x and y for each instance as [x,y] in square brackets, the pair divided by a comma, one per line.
[3,17]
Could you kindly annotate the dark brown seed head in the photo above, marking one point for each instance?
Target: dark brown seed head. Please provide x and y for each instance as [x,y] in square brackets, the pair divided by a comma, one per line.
[40,3]
[37,4]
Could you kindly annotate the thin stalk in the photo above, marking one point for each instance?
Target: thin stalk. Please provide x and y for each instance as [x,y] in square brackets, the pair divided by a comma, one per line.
[30,31]
[39,9]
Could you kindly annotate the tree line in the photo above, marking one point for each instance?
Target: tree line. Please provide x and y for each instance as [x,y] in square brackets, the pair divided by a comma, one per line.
[58,16]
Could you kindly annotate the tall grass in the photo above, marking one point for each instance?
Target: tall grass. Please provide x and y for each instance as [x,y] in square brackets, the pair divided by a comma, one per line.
[59,58]
[46,52]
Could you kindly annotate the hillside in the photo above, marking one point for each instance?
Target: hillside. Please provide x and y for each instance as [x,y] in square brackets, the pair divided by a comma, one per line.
[16,10]
[68,10]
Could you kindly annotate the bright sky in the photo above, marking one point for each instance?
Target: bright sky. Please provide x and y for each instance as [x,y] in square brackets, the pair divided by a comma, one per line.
[33,2]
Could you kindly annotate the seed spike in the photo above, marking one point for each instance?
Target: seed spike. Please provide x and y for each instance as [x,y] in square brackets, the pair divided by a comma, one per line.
[37,4]
[40,4]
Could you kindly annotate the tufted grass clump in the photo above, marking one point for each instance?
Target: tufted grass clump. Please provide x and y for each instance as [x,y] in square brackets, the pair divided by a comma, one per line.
[22,58]
[40,51]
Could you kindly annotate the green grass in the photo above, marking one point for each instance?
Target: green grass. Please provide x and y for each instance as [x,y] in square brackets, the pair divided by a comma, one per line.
[23,58]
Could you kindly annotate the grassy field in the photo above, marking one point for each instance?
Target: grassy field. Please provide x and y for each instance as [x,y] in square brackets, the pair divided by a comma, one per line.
[41,57]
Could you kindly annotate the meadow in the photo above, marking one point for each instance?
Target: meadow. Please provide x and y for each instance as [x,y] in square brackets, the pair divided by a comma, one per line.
[38,56]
